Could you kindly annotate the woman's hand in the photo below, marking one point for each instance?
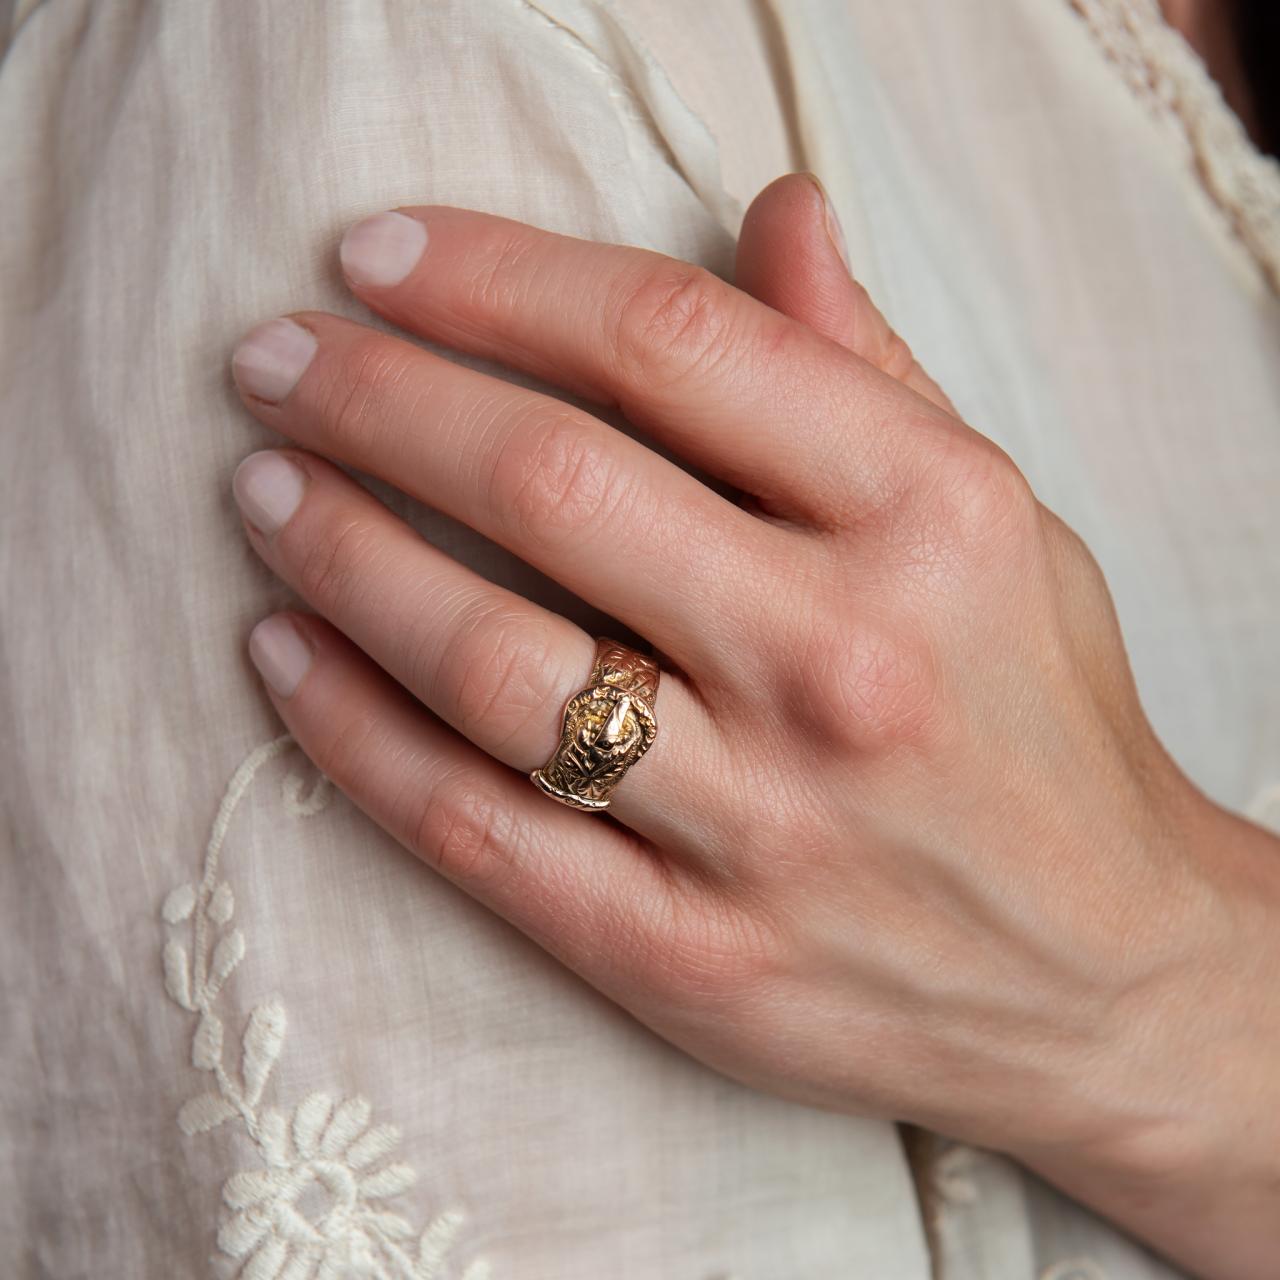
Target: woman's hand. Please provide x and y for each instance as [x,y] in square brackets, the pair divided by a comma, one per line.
[905,844]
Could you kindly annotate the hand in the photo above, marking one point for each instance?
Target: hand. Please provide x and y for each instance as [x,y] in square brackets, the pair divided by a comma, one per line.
[905,844]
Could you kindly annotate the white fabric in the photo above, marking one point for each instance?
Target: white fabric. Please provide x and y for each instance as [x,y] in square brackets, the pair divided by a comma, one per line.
[173,173]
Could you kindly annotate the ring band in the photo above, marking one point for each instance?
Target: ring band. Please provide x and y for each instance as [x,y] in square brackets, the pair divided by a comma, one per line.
[608,726]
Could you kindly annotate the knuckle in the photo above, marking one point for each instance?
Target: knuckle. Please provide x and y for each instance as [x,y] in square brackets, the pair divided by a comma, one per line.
[500,278]
[554,481]
[861,689]
[466,832]
[333,568]
[671,322]
[498,675]
[343,753]
[718,955]
[365,378]
[968,489]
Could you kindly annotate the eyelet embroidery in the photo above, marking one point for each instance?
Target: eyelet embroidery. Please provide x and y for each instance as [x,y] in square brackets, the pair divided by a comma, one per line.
[325,1145]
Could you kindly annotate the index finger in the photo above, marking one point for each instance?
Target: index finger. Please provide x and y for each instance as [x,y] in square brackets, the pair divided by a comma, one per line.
[733,386]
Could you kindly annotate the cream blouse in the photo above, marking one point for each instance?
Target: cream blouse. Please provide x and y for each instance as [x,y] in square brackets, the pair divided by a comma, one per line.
[241,1027]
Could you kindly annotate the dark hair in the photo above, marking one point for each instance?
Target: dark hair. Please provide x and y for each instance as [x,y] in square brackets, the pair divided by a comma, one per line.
[1257,27]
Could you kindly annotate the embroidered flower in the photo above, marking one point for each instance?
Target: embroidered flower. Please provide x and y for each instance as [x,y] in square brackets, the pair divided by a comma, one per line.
[321,1159]
[315,1208]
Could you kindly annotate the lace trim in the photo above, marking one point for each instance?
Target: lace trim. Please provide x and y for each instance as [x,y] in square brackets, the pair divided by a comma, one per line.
[323,1152]
[1162,69]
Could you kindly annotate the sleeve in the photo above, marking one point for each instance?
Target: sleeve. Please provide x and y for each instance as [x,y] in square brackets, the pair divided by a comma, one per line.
[174,173]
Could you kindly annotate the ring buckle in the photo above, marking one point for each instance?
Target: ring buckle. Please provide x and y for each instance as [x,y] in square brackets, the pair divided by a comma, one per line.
[608,726]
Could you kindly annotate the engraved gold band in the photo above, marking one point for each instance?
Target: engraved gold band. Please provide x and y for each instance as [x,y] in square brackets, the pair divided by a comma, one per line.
[608,726]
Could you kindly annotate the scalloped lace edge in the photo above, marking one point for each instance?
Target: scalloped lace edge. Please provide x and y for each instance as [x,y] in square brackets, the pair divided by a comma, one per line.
[1162,70]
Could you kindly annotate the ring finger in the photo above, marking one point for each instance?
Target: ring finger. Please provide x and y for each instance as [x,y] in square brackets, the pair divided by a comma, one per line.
[594,895]
[492,664]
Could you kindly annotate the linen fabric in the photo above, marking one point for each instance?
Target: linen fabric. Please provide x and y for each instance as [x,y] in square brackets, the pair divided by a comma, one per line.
[243,1031]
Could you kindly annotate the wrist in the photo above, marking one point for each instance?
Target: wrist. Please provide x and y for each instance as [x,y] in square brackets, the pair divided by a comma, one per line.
[1184,1147]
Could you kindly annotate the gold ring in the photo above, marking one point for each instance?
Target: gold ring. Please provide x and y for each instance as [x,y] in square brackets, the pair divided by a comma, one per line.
[608,726]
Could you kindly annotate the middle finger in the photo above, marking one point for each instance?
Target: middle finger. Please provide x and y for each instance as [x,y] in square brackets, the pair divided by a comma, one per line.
[752,396]
[628,531]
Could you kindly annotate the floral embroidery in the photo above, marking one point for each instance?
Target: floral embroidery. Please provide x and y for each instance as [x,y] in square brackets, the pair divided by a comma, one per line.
[325,1152]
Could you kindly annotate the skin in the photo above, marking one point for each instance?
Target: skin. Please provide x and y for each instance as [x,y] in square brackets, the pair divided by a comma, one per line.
[906,844]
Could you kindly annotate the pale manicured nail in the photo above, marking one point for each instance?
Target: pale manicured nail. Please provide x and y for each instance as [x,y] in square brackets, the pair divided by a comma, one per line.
[835,232]
[271,358]
[268,488]
[380,251]
[280,653]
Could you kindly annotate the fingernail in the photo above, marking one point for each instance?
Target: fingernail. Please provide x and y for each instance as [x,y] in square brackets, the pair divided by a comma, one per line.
[382,250]
[271,358]
[835,232]
[280,653]
[268,488]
